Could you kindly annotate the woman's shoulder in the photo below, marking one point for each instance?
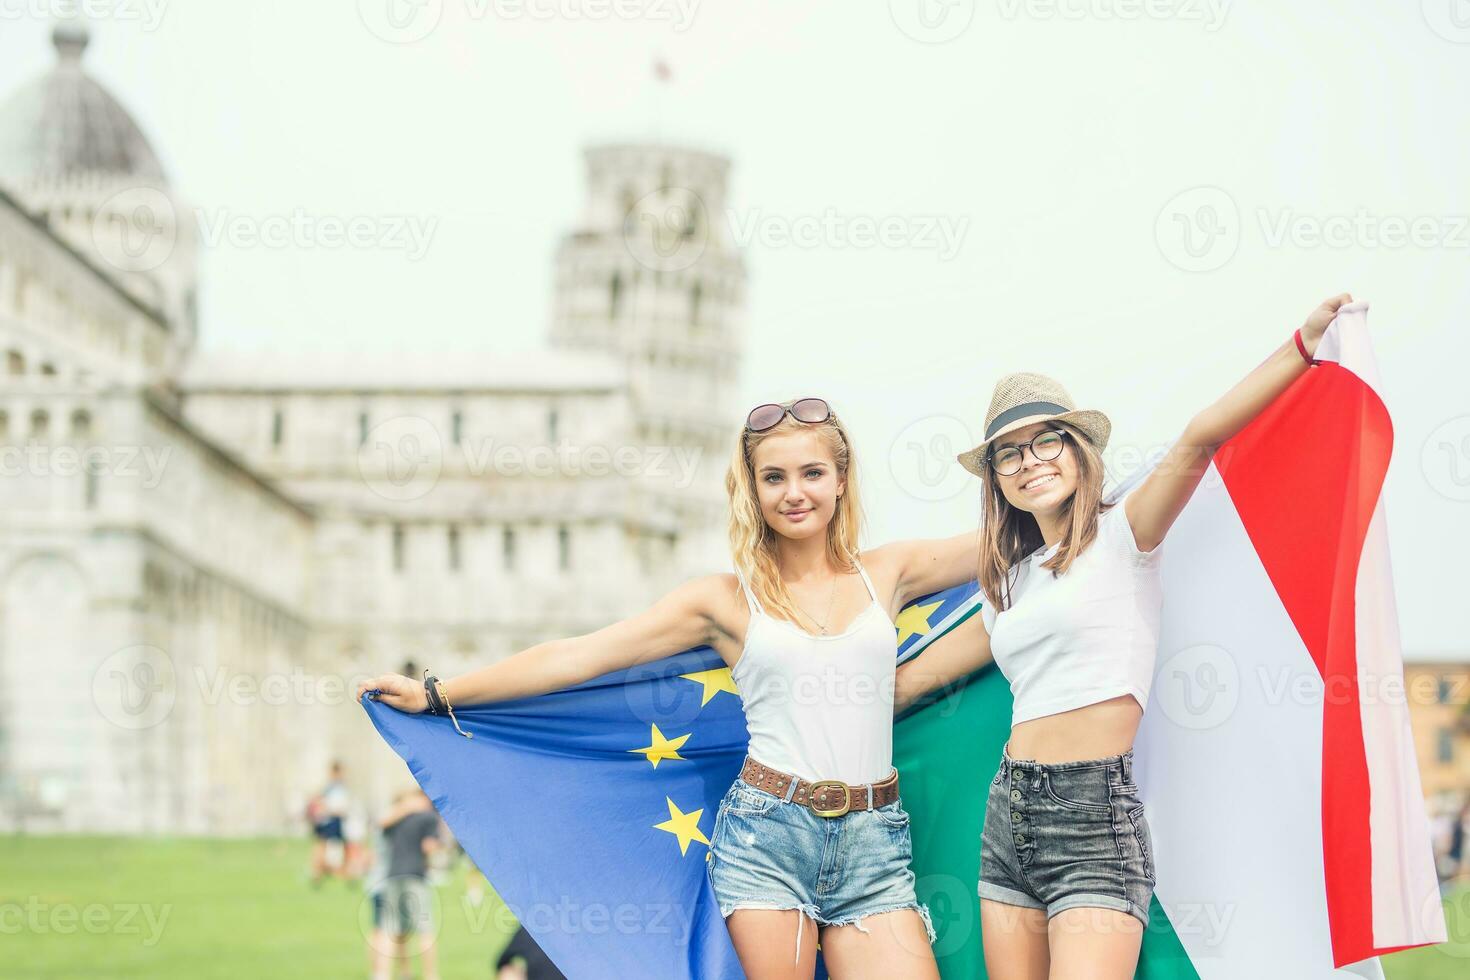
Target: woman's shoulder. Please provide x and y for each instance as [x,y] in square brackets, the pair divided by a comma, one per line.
[1115,526]
[716,587]
[717,596]
[883,556]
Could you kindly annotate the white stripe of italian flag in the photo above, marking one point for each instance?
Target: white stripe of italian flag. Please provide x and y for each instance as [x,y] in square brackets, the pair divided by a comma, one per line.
[1275,756]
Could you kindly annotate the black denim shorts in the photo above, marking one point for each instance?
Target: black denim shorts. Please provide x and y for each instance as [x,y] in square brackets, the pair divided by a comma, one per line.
[1066,834]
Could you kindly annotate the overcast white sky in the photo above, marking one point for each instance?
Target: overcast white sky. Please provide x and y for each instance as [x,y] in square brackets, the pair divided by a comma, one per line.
[1071,146]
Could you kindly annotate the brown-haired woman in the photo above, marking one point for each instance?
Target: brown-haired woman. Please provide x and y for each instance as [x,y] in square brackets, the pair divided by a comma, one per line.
[1071,617]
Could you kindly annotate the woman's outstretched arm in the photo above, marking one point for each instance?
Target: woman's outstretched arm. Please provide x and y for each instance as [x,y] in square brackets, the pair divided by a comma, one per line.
[1159,499]
[684,618]
[949,659]
[927,565]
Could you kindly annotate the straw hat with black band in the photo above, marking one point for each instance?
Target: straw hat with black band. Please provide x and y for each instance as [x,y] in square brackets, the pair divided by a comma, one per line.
[1024,398]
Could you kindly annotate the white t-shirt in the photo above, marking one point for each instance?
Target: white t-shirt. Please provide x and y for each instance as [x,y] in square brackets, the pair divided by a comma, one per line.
[1086,636]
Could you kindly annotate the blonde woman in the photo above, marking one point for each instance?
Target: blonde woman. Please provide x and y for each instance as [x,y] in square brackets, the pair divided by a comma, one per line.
[1073,602]
[811,841]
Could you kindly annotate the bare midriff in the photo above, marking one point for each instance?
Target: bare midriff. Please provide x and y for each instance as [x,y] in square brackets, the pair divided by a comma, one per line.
[1092,731]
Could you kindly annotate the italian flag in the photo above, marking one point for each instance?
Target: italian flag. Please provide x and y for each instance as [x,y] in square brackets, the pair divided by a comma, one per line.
[1275,755]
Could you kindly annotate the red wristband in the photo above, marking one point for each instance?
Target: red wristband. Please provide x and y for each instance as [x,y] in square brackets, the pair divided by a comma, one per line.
[1302,348]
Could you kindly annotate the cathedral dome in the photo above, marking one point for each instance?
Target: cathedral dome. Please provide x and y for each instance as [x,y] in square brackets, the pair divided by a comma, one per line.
[64,124]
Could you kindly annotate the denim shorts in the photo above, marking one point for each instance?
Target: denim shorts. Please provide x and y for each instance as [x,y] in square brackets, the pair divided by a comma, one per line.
[768,853]
[1060,835]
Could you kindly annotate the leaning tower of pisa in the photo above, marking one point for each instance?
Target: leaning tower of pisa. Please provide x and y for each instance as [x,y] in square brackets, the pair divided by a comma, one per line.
[650,275]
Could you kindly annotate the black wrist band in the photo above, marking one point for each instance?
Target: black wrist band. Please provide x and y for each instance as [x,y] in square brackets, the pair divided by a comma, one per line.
[439,705]
[431,694]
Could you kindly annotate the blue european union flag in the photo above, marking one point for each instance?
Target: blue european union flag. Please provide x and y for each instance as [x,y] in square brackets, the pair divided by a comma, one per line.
[590,809]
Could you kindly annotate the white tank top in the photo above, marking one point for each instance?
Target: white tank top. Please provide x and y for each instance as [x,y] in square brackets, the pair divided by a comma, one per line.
[1086,636]
[820,707]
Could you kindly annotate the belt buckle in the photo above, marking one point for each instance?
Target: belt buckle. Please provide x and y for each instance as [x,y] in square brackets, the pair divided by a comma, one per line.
[846,798]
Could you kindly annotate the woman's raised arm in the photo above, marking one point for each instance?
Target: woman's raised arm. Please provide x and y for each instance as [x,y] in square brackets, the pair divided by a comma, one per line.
[684,618]
[1159,499]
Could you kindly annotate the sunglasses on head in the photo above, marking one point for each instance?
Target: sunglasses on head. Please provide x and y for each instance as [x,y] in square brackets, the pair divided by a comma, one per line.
[764,417]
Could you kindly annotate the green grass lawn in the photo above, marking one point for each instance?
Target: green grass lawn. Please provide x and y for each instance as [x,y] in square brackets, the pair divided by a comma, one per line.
[93,907]
[88,908]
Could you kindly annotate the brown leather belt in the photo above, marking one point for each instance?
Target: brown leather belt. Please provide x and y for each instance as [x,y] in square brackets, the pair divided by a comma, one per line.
[825,797]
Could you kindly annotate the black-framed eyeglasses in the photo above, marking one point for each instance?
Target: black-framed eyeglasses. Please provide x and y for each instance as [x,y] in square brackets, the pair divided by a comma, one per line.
[764,417]
[1046,445]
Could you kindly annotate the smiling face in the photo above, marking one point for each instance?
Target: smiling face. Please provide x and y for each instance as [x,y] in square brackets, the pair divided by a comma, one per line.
[797,483]
[1041,486]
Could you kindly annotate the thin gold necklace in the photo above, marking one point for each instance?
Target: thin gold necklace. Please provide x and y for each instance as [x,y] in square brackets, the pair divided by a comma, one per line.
[830,600]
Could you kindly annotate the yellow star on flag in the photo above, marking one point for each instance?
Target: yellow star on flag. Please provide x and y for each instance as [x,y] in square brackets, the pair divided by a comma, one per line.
[714,682]
[662,748]
[914,620]
[685,826]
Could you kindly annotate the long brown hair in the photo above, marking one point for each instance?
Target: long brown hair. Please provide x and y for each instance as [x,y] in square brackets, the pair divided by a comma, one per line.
[753,541]
[1009,534]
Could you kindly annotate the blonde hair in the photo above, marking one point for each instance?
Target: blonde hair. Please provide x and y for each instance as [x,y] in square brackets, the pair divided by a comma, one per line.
[1008,534]
[753,541]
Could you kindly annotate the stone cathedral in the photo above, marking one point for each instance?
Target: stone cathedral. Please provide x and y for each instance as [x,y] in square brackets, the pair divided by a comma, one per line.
[200,554]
